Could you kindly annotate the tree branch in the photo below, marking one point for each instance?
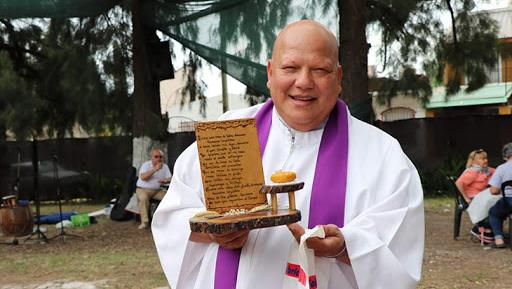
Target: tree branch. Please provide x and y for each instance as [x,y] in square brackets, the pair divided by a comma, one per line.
[454,29]
[16,53]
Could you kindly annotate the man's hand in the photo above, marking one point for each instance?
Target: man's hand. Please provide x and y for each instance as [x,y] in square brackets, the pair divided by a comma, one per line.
[495,190]
[331,245]
[232,240]
[147,174]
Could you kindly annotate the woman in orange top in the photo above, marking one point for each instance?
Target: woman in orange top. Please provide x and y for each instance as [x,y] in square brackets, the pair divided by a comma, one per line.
[476,176]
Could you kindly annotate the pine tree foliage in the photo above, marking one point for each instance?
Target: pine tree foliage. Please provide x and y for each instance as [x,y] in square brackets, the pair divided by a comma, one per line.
[194,88]
[412,31]
[470,49]
[59,74]
[408,84]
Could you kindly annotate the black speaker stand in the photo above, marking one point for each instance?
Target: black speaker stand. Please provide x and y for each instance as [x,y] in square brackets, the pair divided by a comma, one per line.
[62,234]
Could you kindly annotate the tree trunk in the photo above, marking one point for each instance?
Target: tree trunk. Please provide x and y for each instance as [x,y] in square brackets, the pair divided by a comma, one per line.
[354,52]
[148,125]
[147,120]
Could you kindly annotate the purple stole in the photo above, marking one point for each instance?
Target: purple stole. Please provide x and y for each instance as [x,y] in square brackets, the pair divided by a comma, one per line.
[329,183]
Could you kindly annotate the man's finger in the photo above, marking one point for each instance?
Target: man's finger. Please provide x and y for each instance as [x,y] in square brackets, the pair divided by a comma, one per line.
[315,243]
[228,237]
[297,231]
[331,245]
[235,241]
[238,242]
[332,230]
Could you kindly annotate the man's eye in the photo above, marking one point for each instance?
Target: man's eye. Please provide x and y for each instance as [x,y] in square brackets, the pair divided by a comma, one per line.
[321,71]
[289,68]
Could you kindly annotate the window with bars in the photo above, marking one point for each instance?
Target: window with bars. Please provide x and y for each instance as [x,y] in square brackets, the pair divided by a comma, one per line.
[397,113]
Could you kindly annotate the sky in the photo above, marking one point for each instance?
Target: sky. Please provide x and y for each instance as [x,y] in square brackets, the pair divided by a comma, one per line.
[212,75]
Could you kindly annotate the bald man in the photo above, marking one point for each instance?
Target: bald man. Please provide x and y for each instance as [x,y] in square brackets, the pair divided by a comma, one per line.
[152,174]
[359,185]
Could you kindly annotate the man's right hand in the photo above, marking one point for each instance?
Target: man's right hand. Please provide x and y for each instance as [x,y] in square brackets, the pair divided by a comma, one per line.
[232,240]
[158,166]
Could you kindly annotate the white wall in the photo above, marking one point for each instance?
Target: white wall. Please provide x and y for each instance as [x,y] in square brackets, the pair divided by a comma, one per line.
[399,101]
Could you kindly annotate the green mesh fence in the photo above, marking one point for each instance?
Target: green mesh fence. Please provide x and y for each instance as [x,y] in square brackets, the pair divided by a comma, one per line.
[234,35]
[249,73]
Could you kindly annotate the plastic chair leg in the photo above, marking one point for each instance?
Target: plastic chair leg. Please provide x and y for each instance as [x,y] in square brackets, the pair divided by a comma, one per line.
[456,223]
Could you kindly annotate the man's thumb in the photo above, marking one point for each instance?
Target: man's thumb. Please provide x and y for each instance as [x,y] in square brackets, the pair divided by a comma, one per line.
[296,230]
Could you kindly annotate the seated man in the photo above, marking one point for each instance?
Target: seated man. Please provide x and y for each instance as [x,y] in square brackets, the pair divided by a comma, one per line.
[503,207]
[152,174]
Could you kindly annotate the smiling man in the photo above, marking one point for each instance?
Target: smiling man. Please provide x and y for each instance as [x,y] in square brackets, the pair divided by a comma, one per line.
[304,75]
[359,185]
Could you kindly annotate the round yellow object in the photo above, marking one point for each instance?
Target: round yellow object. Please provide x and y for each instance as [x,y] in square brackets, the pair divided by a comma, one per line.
[283,177]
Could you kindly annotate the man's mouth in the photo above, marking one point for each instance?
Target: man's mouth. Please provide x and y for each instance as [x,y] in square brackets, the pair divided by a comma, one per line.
[302,98]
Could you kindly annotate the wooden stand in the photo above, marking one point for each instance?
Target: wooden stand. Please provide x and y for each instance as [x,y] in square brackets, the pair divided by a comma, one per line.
[249,221]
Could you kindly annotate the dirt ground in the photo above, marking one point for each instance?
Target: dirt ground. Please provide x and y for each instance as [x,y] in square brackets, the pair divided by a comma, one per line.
[462,263]
[117,255]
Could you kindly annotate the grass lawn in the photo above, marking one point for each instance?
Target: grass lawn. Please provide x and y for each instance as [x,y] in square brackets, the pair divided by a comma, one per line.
[114,254]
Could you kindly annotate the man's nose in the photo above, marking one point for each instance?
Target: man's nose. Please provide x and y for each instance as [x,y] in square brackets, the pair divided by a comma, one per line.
[304,79]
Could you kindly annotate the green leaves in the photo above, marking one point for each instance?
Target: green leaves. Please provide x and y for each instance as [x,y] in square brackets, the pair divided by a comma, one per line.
[409,84]
[61,76]
[412,31]
[470,56]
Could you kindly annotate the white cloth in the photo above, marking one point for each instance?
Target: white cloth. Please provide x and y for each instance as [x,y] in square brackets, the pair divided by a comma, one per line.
[479,207]
[152,182]
[384,220]
[301,260]
[133,205]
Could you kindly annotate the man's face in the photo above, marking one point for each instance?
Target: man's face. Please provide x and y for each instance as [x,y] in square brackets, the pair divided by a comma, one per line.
[304,79]
[156,157]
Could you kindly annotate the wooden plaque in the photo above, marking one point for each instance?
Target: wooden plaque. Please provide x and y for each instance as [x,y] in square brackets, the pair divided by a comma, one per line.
[231,167]
[248,221]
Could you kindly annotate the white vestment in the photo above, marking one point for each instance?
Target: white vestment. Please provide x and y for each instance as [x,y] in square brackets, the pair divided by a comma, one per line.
[384,220]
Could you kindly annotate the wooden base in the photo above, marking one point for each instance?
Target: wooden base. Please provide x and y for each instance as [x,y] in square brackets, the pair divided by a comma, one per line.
[244,222]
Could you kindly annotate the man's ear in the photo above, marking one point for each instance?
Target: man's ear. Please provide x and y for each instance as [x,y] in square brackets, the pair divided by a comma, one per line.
[269,72]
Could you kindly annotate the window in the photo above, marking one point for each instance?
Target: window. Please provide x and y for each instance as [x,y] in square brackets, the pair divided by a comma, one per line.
[397,113]
[506,62]
[187,126]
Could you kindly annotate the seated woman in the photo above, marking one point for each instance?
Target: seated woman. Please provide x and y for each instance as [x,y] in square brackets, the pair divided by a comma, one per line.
[476,176]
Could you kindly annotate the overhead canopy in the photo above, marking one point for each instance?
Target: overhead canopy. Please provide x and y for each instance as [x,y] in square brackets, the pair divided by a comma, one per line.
[234,35]
[54,8]
[494,93]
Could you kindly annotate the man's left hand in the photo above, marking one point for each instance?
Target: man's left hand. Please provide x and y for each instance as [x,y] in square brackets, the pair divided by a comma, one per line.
[331,245]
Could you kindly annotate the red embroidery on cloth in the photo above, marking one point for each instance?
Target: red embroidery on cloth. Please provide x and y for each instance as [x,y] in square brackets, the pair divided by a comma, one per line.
[312,282]
[292,270]
[295,271]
